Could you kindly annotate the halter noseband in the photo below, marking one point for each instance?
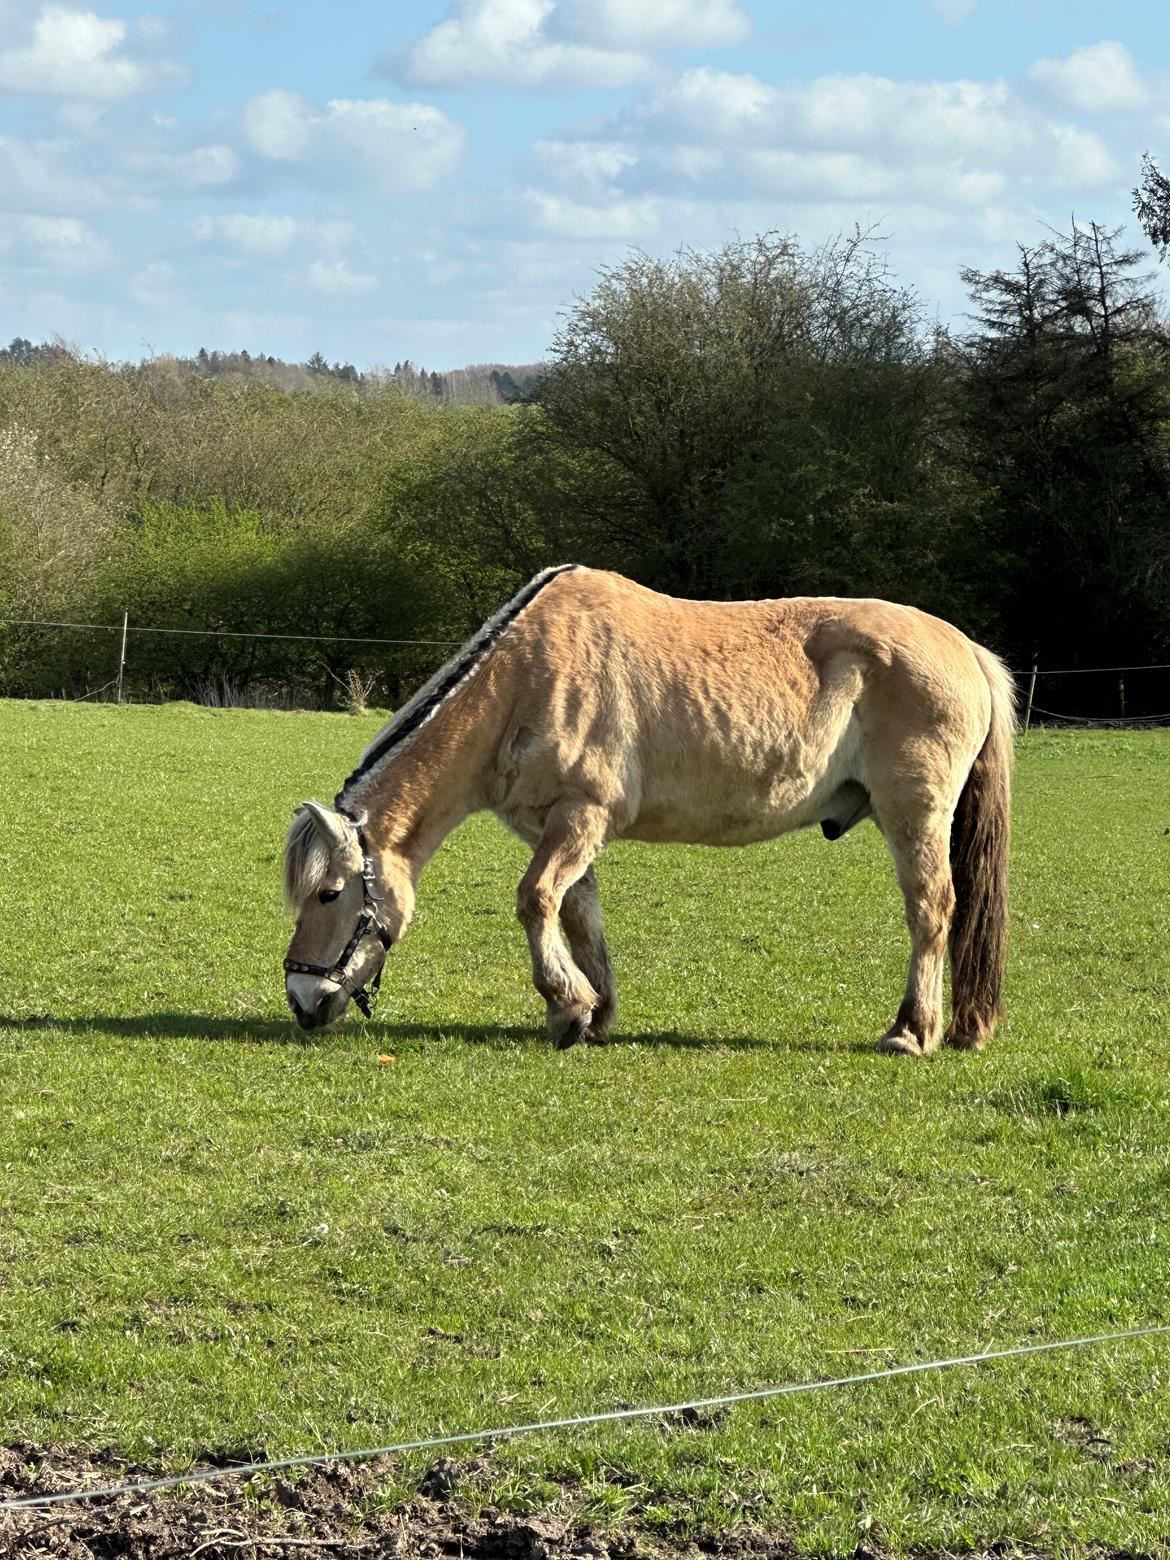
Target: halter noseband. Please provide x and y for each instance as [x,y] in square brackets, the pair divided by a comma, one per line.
[367,922]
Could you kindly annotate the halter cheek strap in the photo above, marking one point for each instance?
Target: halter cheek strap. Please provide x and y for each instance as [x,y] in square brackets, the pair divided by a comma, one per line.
[368,923]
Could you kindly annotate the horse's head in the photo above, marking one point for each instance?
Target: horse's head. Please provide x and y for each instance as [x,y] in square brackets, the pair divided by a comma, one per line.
[351,908]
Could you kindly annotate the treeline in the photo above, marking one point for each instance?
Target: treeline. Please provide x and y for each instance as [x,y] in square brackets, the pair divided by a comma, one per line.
[763,420]
[479,384]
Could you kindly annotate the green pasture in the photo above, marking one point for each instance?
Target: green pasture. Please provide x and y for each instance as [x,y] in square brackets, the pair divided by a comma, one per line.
[219,1237]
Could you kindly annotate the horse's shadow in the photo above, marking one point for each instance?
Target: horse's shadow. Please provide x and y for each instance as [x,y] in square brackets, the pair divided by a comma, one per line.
[216,1029]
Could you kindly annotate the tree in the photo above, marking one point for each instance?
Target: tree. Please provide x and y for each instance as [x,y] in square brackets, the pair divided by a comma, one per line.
[210,566]
[24,353]
[749,421]
[1067,397]
[467,505]
[1151,202]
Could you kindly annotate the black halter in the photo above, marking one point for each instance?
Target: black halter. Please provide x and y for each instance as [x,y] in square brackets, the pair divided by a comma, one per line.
[368,922]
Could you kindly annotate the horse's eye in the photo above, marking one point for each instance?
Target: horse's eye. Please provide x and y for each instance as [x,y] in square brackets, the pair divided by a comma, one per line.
[328,895]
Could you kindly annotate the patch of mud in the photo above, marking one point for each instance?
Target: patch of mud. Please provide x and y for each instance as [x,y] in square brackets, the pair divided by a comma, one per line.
[332,1511]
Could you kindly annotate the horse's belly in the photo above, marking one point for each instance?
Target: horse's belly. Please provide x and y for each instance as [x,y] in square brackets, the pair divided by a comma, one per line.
[721,806]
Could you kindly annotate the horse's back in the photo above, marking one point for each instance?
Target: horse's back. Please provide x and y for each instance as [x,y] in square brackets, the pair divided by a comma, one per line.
[731,721]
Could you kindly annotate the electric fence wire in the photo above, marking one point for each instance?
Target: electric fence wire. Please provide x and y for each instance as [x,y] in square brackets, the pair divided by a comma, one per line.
[610,1416]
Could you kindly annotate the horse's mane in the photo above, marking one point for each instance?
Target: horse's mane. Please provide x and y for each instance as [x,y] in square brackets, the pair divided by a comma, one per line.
[306,859]
[306,854]
[403,726]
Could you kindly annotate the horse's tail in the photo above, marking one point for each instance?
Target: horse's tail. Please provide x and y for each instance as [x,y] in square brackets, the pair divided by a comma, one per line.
[979,868]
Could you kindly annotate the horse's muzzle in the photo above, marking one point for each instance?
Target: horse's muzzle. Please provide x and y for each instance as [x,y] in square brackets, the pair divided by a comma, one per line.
[329,1006]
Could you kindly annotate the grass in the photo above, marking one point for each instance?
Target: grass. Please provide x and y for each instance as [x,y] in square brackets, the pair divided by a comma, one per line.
[218,1237]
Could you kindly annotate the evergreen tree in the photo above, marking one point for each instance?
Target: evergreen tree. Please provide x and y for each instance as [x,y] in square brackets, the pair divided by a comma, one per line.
[1067,401]
[1151,202]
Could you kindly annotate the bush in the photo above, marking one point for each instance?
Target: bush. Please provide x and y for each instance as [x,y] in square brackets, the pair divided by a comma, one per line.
[234,571]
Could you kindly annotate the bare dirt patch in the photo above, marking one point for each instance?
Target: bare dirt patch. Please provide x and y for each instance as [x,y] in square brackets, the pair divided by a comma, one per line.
[335,1510]
[332,1510]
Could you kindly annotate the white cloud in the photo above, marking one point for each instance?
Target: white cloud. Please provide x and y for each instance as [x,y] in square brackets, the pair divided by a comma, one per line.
[269,235]
[254,235]
[335,277]
[564,43]
[624,219]
[721,103]
[78,54]
[61,243]
[156,282]
[952,170]
[950,139]
[207,165]
[411,145]
[203,167]
[42,176]
[407,145]
[697,164]
[1098,79]
[82,116]
[588,162]
[507,42]
[851,176]
[277,124]
[648,24]
[953,11]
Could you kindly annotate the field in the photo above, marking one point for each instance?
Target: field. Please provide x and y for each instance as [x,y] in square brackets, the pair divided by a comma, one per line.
[220,1237]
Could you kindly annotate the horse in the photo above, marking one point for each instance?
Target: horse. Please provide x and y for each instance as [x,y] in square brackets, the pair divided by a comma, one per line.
[591,709]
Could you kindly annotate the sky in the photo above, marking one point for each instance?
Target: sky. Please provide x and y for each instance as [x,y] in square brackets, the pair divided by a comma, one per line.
[438,180]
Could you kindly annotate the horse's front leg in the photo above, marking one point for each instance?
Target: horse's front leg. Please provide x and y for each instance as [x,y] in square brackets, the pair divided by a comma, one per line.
[581,919]
[572,837]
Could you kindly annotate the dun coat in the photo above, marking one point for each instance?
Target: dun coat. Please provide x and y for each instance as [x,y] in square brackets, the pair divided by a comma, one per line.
[591,709]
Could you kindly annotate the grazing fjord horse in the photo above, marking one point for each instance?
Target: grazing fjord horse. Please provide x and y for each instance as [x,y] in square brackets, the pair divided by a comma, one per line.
[591,709]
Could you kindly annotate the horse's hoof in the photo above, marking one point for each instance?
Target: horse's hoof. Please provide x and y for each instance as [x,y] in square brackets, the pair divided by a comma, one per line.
[964,1042]
[565,1029]
[601,1021]
[899,1045]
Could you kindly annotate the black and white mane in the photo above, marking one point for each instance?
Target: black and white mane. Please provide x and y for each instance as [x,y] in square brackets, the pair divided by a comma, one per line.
[398,732]
[307,855]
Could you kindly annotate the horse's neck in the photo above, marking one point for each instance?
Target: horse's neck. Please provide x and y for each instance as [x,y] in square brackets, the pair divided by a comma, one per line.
[418,796]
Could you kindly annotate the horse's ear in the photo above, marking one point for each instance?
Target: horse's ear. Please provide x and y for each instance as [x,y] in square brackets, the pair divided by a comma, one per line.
[330,825]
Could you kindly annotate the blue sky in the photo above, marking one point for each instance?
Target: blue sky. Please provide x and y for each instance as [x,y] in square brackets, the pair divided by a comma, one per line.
[436,180]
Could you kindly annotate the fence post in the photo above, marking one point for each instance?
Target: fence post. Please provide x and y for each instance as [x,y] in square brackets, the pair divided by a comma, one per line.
[1121,694]
[1031,692]
[122,656]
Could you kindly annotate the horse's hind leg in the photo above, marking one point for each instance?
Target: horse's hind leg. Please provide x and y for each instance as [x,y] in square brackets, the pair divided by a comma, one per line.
[581,919]
[572,837]
[921,851]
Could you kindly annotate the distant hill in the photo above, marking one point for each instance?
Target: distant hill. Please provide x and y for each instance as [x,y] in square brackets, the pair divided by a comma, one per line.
[479,384]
